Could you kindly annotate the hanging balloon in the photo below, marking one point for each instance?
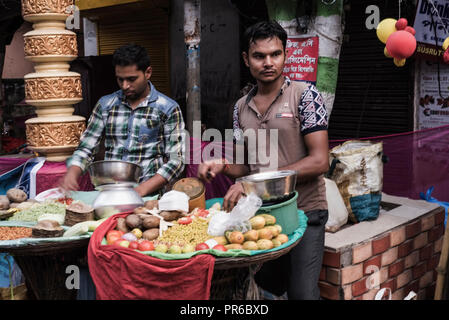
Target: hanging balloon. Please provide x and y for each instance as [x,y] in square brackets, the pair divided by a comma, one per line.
[386,53]
[446,43]
[385,28]
[399,62]
[446,56]
[401,44]
[401,24]
[410,29]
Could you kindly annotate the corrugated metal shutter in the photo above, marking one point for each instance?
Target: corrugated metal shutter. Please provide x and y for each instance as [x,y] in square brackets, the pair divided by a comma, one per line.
[145,25]
[373,96]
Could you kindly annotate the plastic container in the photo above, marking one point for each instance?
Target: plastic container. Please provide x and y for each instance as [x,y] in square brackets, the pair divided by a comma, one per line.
[286,214]
[196,191]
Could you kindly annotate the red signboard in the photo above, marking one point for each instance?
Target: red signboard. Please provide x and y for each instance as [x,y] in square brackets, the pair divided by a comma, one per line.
[302,58]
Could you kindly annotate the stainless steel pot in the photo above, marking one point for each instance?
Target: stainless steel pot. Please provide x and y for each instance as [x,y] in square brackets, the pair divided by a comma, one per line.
[115,180]
[113,172]
[270,185]
[114,199]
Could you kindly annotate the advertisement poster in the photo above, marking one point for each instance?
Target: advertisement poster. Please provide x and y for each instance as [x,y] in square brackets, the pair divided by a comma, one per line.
[433,109]
[431,23]
[302,58]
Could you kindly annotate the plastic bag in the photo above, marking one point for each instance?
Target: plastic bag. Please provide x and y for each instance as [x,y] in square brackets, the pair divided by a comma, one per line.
[357,169]
[338,214]
[237,219]
[174,201]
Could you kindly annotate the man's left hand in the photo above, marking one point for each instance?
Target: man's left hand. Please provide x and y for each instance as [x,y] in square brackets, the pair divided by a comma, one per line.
[233,195]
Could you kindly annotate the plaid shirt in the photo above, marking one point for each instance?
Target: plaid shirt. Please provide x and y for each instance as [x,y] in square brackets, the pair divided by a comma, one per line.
[151,135]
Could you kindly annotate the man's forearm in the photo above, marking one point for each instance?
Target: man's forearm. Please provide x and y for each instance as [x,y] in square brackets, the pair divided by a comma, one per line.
[236,170]
[152,185]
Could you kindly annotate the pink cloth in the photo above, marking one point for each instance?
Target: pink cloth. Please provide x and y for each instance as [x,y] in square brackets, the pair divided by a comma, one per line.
[417,160]
[198,153]
[48,176]
[51,172]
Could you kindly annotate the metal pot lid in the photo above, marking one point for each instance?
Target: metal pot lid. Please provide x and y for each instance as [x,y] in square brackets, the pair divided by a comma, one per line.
[193,187]
[267,175]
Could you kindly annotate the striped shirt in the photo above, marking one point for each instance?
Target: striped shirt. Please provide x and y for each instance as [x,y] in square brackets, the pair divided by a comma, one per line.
[151,135]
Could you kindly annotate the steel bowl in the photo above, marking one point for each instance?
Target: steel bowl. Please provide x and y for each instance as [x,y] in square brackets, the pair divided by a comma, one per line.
[113,172]
[115,198]
[271,185]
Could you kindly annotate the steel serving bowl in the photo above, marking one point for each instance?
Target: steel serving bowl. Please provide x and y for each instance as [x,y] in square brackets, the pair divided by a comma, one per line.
[113,172]
[270,185]
[115,198]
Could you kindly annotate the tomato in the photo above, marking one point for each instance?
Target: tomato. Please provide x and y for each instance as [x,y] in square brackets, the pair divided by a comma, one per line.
[66,200]
[121,243]
[112,238]
[220,247]
[115,232]
[146,245]
[203,212]
[201,246]
[185,220]
[133,245]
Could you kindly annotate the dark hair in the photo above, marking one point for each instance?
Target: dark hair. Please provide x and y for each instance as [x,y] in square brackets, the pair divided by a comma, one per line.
[130,54]
[263,30]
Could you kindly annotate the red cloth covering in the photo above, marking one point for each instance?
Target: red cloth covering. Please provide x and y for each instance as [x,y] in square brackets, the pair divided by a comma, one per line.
[125,274]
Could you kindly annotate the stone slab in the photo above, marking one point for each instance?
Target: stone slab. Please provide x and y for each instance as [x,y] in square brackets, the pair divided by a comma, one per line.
[364,231]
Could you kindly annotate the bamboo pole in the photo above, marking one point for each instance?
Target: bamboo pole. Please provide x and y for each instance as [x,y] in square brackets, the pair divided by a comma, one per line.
[442,265]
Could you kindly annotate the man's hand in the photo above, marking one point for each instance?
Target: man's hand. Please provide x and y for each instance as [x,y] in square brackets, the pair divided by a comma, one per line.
[69,181]
[208,170]
[233,195]
[151,185]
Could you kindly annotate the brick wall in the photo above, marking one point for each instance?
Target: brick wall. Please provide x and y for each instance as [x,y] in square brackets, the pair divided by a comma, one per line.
[403,259]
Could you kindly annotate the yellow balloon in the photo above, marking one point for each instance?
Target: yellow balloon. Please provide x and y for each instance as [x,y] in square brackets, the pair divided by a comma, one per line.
[446,44]
[385,28]
[399,62]
[386,53]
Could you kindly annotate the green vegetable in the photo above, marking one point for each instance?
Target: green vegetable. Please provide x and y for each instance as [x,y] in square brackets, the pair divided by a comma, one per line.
[32,214]
[82,228]
[77,230]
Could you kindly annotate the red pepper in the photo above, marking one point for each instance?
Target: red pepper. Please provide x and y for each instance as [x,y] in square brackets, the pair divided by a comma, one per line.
[185,220]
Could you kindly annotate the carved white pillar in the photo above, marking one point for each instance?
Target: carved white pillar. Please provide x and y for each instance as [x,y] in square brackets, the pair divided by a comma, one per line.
[52,88]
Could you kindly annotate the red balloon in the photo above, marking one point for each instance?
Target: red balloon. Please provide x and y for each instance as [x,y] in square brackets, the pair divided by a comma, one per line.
[446,56]
[401,44]
[410,29]
[401,24]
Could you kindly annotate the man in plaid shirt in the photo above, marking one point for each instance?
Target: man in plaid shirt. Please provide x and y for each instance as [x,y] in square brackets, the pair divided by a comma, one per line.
[140,124]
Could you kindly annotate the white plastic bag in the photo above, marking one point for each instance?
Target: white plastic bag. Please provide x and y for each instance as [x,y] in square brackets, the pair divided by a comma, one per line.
[237,219]
[174,201]
[338,213]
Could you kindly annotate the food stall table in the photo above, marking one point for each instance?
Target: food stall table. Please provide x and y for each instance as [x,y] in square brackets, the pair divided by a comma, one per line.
[44,261]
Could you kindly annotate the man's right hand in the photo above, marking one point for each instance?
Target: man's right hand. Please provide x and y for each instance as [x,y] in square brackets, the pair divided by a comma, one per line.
[69,181]
[208,170]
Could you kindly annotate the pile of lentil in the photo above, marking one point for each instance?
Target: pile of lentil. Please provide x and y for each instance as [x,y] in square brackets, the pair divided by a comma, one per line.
[12,233]
[181,234]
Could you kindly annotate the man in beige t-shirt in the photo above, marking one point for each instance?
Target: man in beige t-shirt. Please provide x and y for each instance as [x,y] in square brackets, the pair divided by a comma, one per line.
[294,112]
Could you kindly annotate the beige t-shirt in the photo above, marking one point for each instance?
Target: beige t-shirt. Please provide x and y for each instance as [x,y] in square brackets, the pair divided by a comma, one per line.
[297,110]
